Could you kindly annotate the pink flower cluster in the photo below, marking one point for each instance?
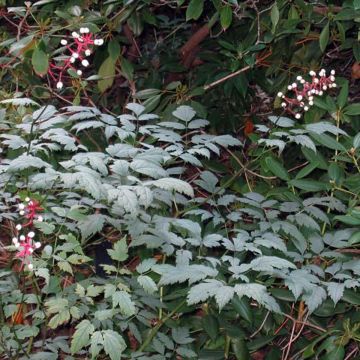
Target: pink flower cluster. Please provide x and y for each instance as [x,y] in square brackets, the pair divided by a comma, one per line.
[303,92]
[25,244]
[80,47]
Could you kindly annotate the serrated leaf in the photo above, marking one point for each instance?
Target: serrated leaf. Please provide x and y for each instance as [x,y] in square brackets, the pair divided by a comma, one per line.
[123,300]
[114,344]
[147,283]
[277,168]
[81,337]
[120,251]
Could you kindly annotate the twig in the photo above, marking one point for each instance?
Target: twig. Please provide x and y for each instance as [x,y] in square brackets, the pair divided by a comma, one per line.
[261,326]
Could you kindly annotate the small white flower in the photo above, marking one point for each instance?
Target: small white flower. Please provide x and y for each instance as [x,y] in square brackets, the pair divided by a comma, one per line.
[82,30]
[321,93]
[59,85]
[31,234]
[30,202]
[294,85]
[302,104]
[87,52]
[280,94]
[334,85]
[31,250]
[306,108]
[332,72]
[313,91]
[18,227]
[37,245]
[21,212]
[311,103]
[21,206]
[79,72]
[40,218]
[17,245]
[283,104]
[75,55]
[15,240]
[63,42]
[75,35]
[311,98]
[324,87]
[22,237]
[299,97]
[30,267]
[316,80]
[332,78]
[312,73]
[289,87]
[297,116]
[299,78]
[27,199]
[302,81]
[72,59]
[85,63]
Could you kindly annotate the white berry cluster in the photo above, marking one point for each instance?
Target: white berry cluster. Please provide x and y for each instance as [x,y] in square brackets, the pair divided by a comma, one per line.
[25,244]
[303,91]
[79,46]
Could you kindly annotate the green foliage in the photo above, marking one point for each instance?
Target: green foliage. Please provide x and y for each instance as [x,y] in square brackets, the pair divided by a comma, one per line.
[169,232]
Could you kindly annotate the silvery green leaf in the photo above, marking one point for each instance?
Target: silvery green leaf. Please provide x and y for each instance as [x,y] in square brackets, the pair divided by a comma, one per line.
[335,291]
[123,300]
[81,337]
[305,141]
[191,159]
[145,265]
[91,225]
[114,344]
[226,140]
[282,121]
[223,295]
[137,109]
[173,125]
[314,298]
[25,162]
[148,168]
[184,113]
[14,141]
[356,141]
[270,240]
[258,292]
[146,117]
[147,283]
[273,143]
[84,125]
[172,184]
[323,126]
[97,341]
[198,123]
[181,335]
[268,263]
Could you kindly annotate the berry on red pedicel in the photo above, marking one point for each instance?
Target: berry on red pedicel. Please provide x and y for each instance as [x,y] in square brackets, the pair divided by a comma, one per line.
[303,92]
[79,46]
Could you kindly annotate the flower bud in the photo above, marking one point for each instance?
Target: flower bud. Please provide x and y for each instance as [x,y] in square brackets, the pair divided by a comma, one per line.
[85,63]
[87,52]
[79,72]
[75,35]
[75,55]
[22,237]
[18,227]
[37,245]
[297,116]
[15,240]
[21,212]
[59,85]
[31,234]
[21,206]
[63,42]
[27,199]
